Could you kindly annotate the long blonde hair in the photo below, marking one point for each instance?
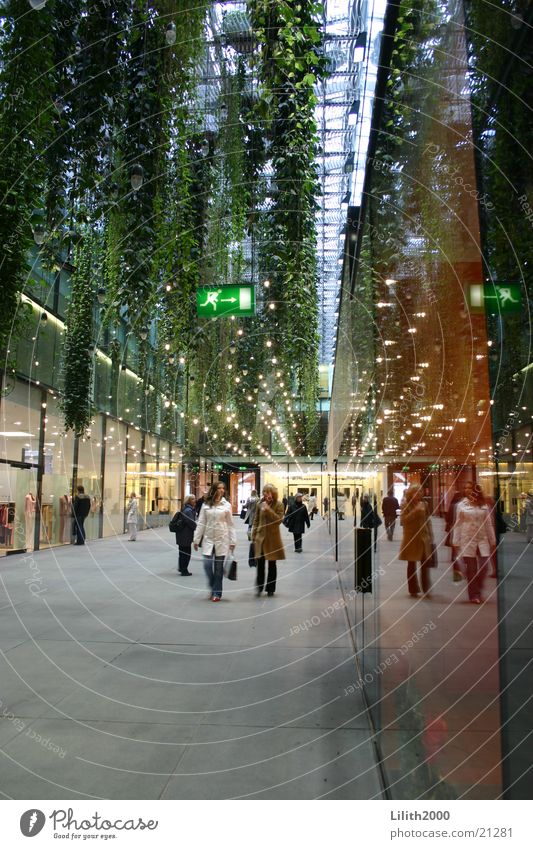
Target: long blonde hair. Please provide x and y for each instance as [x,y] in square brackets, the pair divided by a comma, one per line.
[269,487]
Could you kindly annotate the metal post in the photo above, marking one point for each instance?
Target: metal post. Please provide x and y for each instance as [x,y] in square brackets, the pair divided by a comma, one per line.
[336,516]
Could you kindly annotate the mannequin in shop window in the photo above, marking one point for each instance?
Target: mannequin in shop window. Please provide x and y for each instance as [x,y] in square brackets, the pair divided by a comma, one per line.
[29,514]
[65,511]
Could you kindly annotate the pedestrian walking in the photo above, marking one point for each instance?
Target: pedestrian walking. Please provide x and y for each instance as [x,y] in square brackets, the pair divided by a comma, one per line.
[390,507]
[296,520]
[250,507]
[312,506]
[474,536]
[132,519]
[528,507]
[417,539]
[215,532]
[185,523]
[326,507]
[266,539]
[200,502]
[457,573]
[81,507]
[341,505]
[368,517]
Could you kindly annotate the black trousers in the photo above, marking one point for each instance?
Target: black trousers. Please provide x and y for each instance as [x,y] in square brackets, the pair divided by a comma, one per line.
[412,577]
[184,558]
[297,541]
[271,576]
[79,530]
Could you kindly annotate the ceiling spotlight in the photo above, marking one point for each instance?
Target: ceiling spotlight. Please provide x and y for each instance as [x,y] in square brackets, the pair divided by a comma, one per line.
[353,113]
[360,45]
[136,177]
[170,33]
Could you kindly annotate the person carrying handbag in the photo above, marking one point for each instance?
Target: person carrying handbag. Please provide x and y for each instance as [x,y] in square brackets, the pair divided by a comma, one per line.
[183,524]
[416,545]
[215,532]
[266,539]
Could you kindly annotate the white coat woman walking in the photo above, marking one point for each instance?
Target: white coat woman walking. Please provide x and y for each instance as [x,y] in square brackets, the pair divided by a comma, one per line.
[216,534]
[474,536]
[132,519]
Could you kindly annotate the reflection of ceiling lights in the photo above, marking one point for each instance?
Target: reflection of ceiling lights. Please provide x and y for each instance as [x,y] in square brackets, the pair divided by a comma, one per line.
[15,433]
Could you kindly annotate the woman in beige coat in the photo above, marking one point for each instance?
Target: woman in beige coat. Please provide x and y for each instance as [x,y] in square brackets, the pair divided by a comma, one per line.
[266,538]
[416,542]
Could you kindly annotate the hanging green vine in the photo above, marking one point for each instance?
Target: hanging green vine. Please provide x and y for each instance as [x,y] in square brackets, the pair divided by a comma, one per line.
[25,126]
[289,64]
[77,356]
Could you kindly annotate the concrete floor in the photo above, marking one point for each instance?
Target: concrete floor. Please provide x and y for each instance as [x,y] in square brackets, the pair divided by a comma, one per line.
[121,680]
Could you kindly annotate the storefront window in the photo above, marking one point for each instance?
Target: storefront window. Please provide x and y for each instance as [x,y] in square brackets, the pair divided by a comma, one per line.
[90,474]
[20,415]
[56,522]
[114,478]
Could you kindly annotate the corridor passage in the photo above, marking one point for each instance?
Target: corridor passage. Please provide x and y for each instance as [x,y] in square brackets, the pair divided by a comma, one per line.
[121,680]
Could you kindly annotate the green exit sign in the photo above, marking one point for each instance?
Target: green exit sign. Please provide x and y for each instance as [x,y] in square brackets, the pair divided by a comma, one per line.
[495,297]
[216,301]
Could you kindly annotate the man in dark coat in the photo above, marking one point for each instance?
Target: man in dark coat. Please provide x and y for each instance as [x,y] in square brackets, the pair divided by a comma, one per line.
[81,507]
[185,520]
[296,519]
[389,506]
[200,502]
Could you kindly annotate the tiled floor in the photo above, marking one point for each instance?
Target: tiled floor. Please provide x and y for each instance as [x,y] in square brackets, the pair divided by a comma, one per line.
[122,680]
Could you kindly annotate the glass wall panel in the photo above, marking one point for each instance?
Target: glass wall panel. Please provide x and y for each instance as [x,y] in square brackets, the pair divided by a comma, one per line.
[412,396]
[90,474]
[114,496]
[56,502]
[134,480]
[20,416]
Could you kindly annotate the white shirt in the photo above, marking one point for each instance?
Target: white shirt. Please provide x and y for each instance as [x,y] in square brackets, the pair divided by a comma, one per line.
[215,529]
[473,530]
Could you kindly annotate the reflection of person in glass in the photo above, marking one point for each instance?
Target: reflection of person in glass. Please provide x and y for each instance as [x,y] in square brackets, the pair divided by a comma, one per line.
[390,508]
[81,507]
[475,539]
[416,541]
[132,519]
[216,533]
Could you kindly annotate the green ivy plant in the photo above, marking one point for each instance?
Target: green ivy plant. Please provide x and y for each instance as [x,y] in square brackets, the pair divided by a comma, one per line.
[77,355]
[25,126]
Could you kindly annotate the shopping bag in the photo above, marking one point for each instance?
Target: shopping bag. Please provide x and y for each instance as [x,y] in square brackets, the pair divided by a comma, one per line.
[232,571]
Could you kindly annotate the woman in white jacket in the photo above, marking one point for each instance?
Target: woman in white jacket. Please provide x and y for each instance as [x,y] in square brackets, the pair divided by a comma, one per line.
[216,534]
[474,536]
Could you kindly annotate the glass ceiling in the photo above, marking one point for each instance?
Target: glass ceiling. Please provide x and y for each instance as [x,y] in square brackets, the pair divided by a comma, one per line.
[352,35]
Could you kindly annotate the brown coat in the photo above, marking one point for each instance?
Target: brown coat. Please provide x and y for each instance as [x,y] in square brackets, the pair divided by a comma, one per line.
[266,536]
[416,540]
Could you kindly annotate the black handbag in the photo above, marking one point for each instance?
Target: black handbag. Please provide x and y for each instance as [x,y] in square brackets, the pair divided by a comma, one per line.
[176,523]
[232,571]
[431,560]
[243,512]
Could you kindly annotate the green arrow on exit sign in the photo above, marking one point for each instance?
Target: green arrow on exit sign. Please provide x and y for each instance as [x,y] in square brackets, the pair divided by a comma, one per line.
[216,301]
[495,297]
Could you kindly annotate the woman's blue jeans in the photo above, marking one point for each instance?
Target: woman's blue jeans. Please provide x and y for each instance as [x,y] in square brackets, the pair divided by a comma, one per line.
[214,569]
